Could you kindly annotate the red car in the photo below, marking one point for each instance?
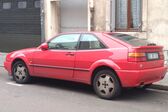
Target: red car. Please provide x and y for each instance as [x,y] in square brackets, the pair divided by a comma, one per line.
[107,61]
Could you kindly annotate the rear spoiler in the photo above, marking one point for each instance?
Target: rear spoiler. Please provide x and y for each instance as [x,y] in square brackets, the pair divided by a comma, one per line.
[151,44]
[149,47]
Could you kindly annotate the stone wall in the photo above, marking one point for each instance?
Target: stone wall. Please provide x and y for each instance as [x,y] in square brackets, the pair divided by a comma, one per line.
[154,20]
[158,22]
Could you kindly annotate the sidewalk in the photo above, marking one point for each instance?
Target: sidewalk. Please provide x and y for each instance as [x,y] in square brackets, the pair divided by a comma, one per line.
[163,84]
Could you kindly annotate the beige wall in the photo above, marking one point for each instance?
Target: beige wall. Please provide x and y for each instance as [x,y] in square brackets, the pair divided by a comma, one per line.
[52,17]
[155,22]
[158,21]
[99,15]
[154,19]
[51,12]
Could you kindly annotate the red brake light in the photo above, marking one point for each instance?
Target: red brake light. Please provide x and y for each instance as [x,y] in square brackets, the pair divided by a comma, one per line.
[136,57]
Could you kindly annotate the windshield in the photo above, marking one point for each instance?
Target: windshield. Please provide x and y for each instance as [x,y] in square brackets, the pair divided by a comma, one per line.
[134,41]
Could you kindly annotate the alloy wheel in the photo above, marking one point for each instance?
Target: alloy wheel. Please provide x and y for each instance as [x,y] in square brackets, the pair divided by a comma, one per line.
[20,72]
[105,84]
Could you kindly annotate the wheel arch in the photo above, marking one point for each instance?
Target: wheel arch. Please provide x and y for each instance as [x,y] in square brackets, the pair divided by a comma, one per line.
[19,59]
[16,60]
[103,67]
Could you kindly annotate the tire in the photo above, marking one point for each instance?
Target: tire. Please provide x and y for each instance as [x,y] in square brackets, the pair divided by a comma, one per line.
[106,84]
[20,72]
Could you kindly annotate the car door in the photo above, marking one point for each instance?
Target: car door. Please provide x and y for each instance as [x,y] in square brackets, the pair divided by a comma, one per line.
[58,60]
[90,50]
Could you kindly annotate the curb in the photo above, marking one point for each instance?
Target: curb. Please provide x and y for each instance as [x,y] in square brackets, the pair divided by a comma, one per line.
[159,87]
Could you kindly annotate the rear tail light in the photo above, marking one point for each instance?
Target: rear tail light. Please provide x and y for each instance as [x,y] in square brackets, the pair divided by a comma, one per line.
[136,57]
[140,57]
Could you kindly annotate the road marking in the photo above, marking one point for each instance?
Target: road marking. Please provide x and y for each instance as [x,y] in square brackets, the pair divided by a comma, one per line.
[14,84]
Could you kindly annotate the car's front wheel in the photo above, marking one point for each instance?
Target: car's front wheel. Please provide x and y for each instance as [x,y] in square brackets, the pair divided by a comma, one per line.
[20,72]
[106,84]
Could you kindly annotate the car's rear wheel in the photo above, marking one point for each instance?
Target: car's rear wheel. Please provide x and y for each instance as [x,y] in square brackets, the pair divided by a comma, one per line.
[20,72]
[106,84]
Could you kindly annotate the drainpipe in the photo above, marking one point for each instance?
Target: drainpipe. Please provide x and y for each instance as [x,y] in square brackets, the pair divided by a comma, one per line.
[108,15]
[90,15]
[42,21]
[147,18]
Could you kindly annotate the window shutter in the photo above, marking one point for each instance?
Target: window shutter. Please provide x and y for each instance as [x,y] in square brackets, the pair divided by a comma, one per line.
[136,13]
[121,19]
[128,16]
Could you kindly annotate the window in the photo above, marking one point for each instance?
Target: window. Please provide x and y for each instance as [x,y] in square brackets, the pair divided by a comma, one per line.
[22,4]
[134,41]
[65,42]
[89,41]
[6,5]
[128,14]
[37,4]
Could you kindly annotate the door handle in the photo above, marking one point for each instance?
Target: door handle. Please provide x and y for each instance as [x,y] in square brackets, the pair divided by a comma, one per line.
[70,54]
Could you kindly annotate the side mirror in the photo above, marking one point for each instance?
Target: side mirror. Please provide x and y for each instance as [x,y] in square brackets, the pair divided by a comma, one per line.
[44,46]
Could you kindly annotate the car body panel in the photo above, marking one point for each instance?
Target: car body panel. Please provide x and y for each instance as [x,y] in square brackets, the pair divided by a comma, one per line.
[24,55]
[88,61]
[53,63]
[135,78]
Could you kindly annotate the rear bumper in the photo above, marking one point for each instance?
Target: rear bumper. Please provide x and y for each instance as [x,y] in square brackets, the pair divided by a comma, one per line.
[135,78]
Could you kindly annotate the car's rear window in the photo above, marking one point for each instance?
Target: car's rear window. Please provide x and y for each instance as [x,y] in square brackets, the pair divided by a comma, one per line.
[134,41]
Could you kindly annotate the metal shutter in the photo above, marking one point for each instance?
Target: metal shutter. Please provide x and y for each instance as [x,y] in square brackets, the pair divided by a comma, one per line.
[19,27]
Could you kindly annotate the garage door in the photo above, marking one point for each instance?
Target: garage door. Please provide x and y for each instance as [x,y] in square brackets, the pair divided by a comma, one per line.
[74,15]
[19,24]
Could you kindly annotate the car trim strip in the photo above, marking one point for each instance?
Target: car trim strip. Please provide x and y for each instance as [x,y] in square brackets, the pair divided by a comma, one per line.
[59,67]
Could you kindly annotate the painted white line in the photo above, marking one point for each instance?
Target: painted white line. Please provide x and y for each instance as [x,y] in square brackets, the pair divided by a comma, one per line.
[14,84]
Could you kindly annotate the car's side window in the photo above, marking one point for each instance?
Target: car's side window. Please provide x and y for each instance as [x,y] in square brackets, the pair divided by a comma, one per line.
[64,42]
[89,41]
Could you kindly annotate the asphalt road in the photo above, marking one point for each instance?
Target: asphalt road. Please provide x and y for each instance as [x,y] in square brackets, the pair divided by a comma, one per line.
[46,95]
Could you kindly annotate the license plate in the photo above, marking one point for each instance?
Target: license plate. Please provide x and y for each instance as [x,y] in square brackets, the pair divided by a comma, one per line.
[153,56]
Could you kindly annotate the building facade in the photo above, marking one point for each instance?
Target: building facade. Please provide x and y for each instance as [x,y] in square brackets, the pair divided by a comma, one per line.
[146,19]
[27,23]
